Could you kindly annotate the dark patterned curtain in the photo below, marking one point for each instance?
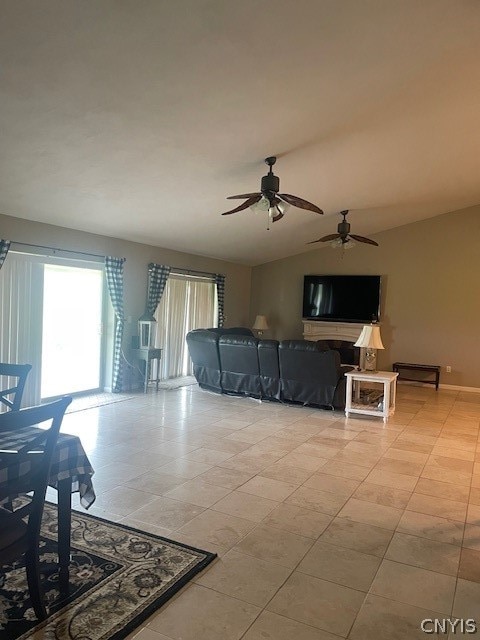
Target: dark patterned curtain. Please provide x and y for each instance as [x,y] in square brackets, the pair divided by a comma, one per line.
[114,274]
[4,247]
[220,282]
[157,279]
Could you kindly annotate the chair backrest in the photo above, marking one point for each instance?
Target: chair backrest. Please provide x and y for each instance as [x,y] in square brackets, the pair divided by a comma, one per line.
[11,394]
[28,465]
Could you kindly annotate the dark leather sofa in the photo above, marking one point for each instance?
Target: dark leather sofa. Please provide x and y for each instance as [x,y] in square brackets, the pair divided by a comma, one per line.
[227,361]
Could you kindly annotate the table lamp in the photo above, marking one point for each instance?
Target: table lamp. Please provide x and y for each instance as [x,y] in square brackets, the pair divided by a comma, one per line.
[260,325]
[370,340]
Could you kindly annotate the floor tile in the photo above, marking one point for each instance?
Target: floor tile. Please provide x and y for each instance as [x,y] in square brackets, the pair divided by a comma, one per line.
[470,565]
[185,468]
[377,515]
[210,456]
[379,494]
[415,586]
[432,527]
[303,522]
[424,553]
[471,537]
[154,482]
[228,478]
[217,528]
[204,614]
[245,505]
[450,509]
[164,512]
[442,490]
[382,619]
[467,600]
[197,492]
[318,603]
[275,545]
[286,473]
[345,470]
[356,535]
[332,484]
[244,577]
[392,480]
[268,488]
[340,565]
[270,626]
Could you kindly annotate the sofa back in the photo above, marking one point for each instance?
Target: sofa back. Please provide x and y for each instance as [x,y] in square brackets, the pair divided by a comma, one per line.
[309,373]
[203,348]
[269,368]
[236,331]
[239,364]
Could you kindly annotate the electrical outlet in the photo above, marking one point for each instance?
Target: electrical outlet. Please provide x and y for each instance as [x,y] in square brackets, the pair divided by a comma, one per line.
[448,369]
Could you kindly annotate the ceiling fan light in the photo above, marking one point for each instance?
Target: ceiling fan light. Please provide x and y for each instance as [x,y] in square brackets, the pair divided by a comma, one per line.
[261,206]
[349,244]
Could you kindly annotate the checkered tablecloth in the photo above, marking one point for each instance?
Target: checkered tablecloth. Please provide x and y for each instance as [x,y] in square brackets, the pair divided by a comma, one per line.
[69,461]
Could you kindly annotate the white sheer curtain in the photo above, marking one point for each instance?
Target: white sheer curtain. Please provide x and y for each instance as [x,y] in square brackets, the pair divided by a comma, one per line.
[186,304]
[21,293]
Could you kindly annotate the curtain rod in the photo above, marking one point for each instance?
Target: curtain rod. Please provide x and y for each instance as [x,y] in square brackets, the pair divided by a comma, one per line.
[41,246]
[187,272]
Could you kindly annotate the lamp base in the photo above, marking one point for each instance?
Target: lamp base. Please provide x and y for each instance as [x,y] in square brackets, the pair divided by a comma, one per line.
[370,360]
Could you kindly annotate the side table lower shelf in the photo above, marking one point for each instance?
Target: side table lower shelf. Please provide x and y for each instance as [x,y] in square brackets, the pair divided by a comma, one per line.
[386,405]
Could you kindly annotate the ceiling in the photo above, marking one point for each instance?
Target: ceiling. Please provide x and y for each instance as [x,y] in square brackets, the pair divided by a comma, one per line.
[136,119]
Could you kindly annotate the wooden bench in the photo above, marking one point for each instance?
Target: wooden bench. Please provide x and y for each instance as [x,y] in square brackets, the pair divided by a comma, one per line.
[429,368]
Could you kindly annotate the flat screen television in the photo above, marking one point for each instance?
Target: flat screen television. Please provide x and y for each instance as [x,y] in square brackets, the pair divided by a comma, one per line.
[341,298]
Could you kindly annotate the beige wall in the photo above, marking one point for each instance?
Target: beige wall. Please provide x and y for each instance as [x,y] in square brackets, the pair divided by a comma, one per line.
[237,296]
[430,311]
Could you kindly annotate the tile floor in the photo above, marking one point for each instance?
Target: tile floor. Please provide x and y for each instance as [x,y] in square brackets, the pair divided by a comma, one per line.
[324,527]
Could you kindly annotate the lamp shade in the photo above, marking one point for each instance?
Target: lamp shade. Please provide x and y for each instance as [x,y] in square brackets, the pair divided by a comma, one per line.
[260,323]
[370,338]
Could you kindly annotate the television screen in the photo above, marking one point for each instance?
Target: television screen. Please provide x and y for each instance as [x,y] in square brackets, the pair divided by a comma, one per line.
[341,298]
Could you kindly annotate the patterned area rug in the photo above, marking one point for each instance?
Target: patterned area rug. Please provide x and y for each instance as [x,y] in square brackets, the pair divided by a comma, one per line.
[118,577]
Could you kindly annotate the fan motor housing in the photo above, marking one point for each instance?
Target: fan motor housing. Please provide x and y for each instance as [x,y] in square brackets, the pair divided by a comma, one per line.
[270,183]
[343,228]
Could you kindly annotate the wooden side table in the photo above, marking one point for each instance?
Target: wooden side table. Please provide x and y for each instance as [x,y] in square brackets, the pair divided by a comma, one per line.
[384,407]
[147,355]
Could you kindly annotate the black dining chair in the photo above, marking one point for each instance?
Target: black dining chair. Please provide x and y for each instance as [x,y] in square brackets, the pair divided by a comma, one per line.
[11,396]
[26,470]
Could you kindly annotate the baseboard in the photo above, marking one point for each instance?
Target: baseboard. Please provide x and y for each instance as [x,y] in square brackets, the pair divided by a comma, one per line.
[455,387]
[448,387]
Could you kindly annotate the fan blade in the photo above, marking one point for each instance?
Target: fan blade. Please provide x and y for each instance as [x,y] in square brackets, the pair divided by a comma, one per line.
[362,239]
[244,196]
[333,236]
[295,201]
[245,205]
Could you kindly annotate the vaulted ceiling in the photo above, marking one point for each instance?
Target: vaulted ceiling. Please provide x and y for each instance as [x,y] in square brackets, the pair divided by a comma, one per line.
[136,119]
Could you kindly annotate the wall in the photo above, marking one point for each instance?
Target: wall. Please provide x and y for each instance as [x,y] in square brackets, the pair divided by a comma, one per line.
[238,277]
[430,307]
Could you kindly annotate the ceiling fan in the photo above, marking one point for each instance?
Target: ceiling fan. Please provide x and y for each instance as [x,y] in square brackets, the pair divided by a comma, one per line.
[344,238]
[268,199]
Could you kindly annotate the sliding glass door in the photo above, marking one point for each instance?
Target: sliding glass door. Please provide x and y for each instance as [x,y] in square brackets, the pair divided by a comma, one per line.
[72,330]
[51,316]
